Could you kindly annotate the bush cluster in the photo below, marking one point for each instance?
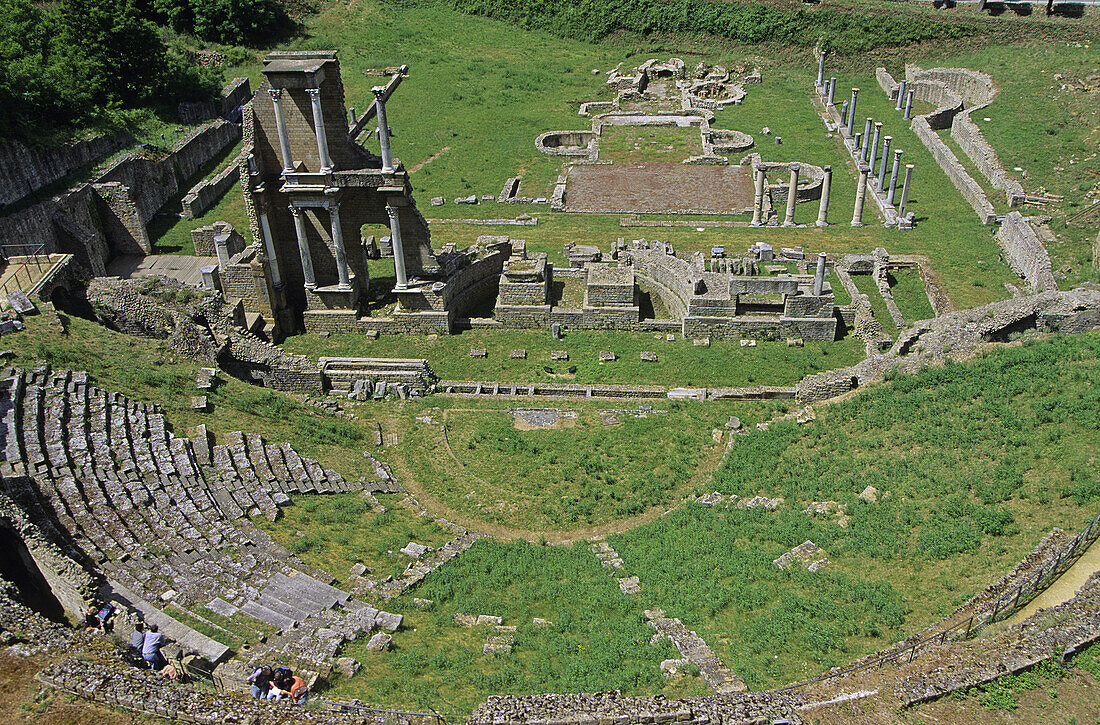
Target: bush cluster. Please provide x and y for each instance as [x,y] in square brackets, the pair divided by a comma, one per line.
[592,20]
[81,62]
[233,22]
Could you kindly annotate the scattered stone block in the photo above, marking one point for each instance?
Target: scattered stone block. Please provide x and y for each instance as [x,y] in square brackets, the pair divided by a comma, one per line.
[760,502]
[518,354]
[217,605]
[371,334]
[498,644]
[655,613]
[204,380]
[437,201]
[169,595]
[805,415]
[199,403]
[347,666]
[648,356]
[423,603]
[465,620]
[476,352]
[607,356]
[870,495]
[415,550]
[795,342]
[280,499]
[21,303]
[672,668]
[380,642]
[710,499]
[471,199]
[716,435]
[610,419]
[539,622]
[734,423]
[389,621]
[748,343]
[670,337]
[630,585]
[701,342]
[559,355]
[357,569]
[808,554]
[488,619]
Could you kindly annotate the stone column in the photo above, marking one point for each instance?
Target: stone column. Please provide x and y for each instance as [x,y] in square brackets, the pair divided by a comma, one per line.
[832,91]
[861,193]
[908,104]
[319,129]
[821,69]
[872,149]
[843,117]
[792,194]
[901,95]
[351,116]
[823,209]
[398,248]
[819,277]
[221,248]
[303,248]
[866,140]
[894,177]
[852,112]
[338,242]
[883,161]
[857,143]
[905,191]
[280,129]
[269,248]
[758,199]
[383,130]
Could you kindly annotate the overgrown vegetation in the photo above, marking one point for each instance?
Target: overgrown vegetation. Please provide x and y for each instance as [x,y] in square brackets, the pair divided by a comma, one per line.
[86,62]
[593,20]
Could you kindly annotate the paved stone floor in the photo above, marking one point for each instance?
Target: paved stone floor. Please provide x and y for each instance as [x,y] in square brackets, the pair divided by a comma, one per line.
[185,269]
[659,188]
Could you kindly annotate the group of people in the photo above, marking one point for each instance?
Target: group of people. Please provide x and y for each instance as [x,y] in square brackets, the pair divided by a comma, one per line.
[147,642]
[278,683]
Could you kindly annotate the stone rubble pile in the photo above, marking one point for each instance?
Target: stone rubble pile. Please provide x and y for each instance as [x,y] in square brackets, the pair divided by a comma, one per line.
[692,648]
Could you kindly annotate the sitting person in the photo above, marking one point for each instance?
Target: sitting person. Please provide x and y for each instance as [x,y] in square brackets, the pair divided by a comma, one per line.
[151,645]
[280,684]
[137,639]
[95,619]
[299,690]
[260,681]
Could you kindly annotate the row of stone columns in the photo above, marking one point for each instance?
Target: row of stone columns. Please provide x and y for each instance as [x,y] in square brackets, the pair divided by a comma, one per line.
[792,197]
[318,126]
[338,243]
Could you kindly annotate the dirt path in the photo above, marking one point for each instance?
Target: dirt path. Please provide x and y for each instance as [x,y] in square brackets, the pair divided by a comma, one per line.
[1064,587]
[433,157]
[406,477]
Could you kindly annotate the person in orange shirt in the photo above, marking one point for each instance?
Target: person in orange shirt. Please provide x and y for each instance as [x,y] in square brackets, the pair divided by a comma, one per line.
[299,690]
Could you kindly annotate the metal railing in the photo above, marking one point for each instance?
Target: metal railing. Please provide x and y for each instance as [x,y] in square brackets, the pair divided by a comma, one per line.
[1007,603]
[34,254]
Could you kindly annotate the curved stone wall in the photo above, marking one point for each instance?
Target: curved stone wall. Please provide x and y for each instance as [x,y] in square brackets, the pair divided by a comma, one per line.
[577,144]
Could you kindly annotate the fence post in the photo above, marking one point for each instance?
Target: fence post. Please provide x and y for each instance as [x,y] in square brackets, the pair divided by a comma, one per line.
[969,622]
[996,607]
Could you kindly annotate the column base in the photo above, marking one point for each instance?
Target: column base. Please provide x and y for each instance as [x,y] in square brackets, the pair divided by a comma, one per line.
[857,224]
[789,224]
[822,224]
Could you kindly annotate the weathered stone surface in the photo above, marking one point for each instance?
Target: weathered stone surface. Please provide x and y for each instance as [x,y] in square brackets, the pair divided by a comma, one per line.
[380,642]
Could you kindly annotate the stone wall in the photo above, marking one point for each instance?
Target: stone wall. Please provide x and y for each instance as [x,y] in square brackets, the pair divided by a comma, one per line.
[1025,253]
[945,157]
[26,169]
[69,223]
[970,139]
[207,192]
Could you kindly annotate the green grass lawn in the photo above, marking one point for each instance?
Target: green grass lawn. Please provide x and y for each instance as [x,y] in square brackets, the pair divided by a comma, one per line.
[909,295]
[597,640]
[680,362]
[639,145]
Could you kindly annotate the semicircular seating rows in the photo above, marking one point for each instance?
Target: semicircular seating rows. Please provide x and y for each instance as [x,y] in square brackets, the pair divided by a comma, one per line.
[164,519]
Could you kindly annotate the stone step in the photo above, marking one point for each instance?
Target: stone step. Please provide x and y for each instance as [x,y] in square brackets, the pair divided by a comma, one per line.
[268,616]
[175,630]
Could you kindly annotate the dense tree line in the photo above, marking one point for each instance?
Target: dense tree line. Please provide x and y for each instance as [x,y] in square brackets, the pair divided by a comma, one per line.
[77,63]
[746,23]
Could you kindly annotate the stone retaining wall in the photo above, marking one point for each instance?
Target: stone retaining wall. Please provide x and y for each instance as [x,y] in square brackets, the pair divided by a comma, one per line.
[70,222]
[26,169]
[207,192]
[1025,253]
[945,157]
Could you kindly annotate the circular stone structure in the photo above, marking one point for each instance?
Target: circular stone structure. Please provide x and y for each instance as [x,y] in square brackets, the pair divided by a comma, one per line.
[566,143]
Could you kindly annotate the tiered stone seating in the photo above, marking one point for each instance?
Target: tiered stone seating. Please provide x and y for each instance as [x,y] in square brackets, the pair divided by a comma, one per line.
[109,481]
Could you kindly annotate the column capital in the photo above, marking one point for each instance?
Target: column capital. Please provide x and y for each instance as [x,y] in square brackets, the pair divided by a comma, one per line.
[295,210]
[795,168]
[314,93]
[897,152]
[828,169]
[276,94]
[333,206]
[379,93]
[391,210]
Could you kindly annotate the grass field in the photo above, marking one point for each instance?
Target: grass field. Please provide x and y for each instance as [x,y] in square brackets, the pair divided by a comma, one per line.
[679,362]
